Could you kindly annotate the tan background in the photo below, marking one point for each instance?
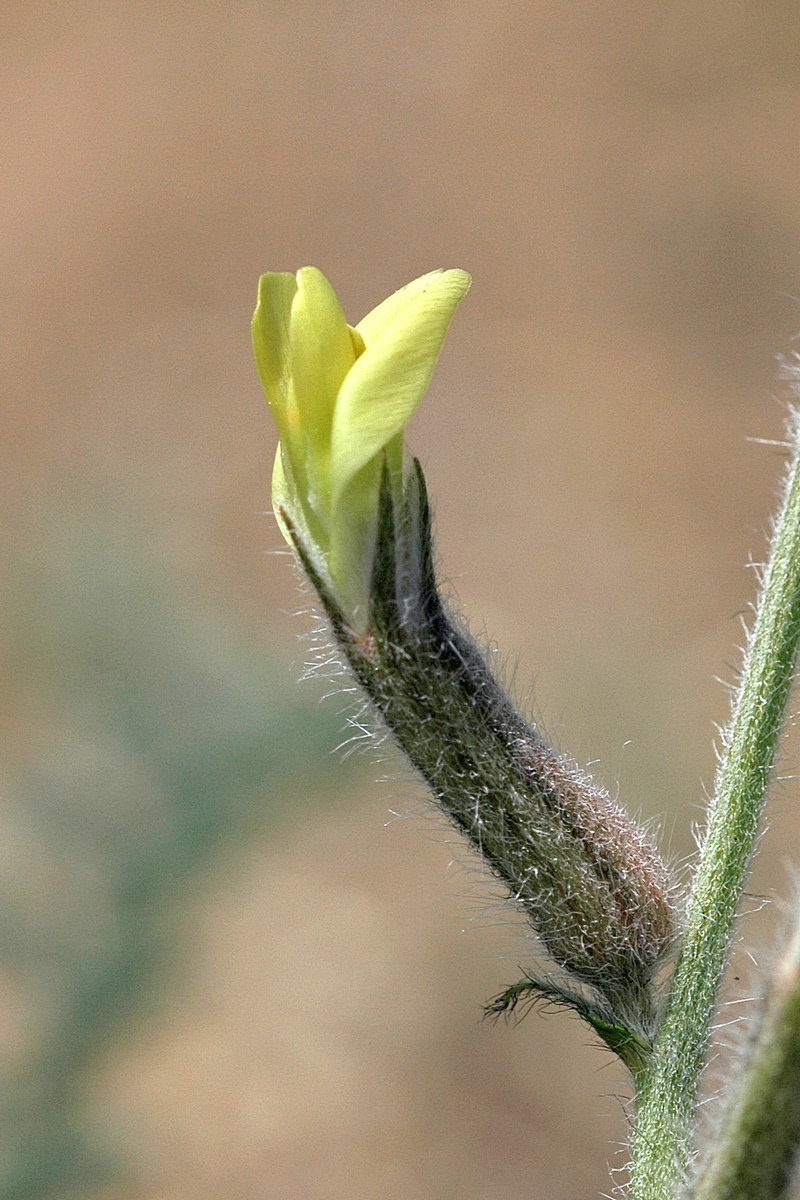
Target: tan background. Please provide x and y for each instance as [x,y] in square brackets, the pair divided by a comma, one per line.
[622,182]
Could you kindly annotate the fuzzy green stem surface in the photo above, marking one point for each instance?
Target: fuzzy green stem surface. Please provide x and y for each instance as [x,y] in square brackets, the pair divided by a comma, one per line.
[754,1155]
[668,1091]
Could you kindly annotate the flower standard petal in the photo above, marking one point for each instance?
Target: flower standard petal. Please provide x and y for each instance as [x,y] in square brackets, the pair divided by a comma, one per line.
[381,392]
[435,283]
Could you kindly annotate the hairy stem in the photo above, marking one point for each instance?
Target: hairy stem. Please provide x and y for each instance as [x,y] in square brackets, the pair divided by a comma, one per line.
[754,1157]
[668,1091]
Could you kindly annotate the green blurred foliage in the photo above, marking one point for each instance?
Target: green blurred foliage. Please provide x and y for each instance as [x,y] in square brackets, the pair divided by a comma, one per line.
[160,732]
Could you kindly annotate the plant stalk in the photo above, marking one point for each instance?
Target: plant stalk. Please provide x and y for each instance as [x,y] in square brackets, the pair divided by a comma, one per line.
[668,1089]
[754,1155]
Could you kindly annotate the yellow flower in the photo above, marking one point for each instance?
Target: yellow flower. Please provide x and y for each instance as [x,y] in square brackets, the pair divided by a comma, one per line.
[341,398]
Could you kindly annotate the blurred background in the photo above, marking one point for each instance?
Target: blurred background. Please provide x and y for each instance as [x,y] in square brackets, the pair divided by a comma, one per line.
[226,967]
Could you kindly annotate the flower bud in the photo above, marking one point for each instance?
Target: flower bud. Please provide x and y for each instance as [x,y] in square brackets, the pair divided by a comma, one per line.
[595,891]
[341,398]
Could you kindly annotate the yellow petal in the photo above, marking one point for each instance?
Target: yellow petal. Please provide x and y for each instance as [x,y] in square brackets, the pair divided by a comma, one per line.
[357,340]
[381,392]
[270,329]
[353,542]
[283,495]
[320,355]
[376,322]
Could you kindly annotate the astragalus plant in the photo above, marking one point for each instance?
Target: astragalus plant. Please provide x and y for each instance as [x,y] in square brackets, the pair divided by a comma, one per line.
[640,966]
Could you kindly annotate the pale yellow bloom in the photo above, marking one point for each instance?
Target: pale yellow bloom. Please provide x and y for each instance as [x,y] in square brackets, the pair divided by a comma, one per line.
[341,398]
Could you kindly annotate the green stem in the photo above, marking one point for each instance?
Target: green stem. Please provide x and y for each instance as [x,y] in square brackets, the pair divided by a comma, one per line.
[668,1091]
[754,1156]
